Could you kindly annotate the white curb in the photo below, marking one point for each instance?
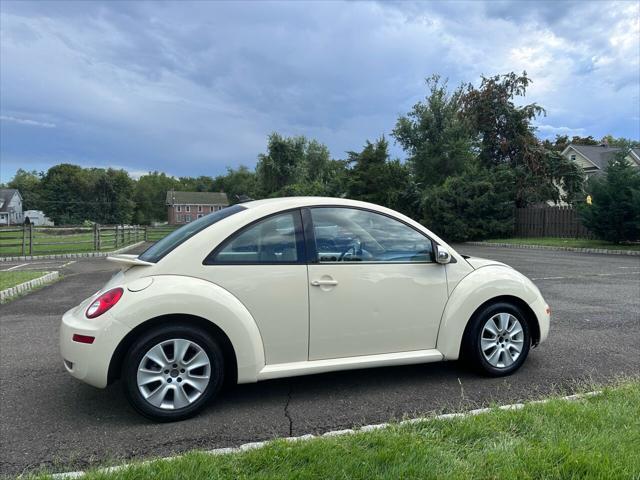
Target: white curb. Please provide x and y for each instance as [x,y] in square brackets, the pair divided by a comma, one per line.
[8,293]
[70,255]
[335,433]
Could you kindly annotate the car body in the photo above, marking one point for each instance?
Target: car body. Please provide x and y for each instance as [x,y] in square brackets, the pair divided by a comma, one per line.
[295,286]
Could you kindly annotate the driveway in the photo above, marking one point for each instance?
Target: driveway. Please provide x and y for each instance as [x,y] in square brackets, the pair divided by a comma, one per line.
[49,420]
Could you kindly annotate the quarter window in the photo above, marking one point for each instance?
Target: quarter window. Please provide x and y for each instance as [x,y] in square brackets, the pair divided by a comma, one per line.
[353,235]
[276,239]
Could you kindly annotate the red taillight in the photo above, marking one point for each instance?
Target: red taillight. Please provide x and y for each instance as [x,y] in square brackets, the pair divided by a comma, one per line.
[82,338]
[104,302]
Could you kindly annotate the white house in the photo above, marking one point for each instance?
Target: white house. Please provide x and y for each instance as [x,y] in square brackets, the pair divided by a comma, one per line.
[37,218]
[10,207]
[594,158]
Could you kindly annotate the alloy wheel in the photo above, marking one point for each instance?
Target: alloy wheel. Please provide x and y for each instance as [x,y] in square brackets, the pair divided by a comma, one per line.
[173,374]
[502,340]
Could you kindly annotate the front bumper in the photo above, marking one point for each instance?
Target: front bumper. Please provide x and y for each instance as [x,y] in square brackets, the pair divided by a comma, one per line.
[90,362]
[543,314]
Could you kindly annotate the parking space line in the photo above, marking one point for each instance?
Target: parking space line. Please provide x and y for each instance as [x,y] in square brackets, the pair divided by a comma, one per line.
[588,275]
[14,267]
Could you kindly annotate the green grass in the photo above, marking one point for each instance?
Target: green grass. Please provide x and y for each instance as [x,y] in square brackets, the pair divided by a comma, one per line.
[596,437]
[566,242]
[13,278]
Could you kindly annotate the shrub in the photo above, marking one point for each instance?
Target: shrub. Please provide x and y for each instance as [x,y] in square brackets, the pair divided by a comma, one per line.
[614,214]
[474,205]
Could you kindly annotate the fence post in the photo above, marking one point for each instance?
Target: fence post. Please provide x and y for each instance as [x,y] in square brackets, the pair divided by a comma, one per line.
[98,239]
[116,237]
[146,233]
[95,239]
[30,239]
[24,238]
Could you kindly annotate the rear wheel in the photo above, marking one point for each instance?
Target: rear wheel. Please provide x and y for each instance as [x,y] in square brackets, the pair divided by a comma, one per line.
[498,340]
[171,372]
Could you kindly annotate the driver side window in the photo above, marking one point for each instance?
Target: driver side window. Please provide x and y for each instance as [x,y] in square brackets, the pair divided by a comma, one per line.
[353,235]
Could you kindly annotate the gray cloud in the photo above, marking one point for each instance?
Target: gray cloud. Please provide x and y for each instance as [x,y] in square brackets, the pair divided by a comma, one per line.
[193,87]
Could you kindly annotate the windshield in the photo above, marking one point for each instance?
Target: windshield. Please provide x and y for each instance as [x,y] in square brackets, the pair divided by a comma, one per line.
[159,249]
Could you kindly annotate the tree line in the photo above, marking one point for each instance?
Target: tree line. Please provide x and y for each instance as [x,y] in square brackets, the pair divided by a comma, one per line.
[472,156]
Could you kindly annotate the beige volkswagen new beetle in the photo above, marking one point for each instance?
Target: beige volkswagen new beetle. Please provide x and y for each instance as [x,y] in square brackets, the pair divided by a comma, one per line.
[294,286]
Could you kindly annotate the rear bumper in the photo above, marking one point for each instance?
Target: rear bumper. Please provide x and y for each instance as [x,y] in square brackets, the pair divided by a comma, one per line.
[89,362]
[543,314]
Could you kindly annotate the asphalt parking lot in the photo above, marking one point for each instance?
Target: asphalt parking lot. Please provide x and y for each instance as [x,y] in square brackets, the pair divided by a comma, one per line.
[49,420]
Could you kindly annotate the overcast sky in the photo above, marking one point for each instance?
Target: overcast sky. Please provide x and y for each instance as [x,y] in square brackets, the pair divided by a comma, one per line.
[192,88]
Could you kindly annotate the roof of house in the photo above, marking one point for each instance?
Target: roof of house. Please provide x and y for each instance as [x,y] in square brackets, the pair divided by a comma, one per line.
[600,155]
[6,194]
[196,198]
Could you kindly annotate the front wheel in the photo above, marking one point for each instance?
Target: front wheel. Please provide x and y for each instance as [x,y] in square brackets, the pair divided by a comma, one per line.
[171,372]
[497,341]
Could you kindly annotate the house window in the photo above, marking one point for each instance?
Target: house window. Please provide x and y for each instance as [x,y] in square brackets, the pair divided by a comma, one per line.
[187,218]
[199,208]
[178,208]
[573,157]
[187,208]
[199,215]
[212,209]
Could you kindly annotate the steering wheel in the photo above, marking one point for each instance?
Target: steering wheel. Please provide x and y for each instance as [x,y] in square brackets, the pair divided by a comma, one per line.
[349,249]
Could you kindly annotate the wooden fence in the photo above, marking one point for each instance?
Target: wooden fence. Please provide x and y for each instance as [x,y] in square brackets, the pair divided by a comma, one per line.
[30,240]
[562,222]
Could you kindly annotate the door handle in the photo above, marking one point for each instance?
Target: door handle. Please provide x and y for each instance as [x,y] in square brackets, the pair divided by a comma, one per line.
[321,283]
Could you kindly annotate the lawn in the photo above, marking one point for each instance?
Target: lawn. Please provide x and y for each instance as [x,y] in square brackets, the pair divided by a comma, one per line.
[566,242]
[595,437]
[14,277]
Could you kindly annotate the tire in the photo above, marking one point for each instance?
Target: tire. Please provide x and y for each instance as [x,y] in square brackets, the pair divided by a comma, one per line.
[188,372]
[500,356]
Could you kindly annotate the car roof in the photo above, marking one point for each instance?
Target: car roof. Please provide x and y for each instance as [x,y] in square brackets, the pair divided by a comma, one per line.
[292,202]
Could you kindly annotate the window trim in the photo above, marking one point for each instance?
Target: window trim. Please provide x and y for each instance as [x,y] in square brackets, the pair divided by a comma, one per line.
[312,253]
[210,259]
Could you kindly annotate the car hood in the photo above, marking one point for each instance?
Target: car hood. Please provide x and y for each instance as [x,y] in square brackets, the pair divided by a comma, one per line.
[477,262]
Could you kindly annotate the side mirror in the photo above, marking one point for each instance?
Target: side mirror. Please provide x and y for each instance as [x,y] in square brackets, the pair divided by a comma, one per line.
[442,255]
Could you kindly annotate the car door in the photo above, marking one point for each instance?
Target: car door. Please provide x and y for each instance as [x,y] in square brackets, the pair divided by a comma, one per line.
[264,266]
[374,285]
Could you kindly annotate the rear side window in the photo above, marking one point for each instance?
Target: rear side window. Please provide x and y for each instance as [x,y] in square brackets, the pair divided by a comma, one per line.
[275,239]
[159,249]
